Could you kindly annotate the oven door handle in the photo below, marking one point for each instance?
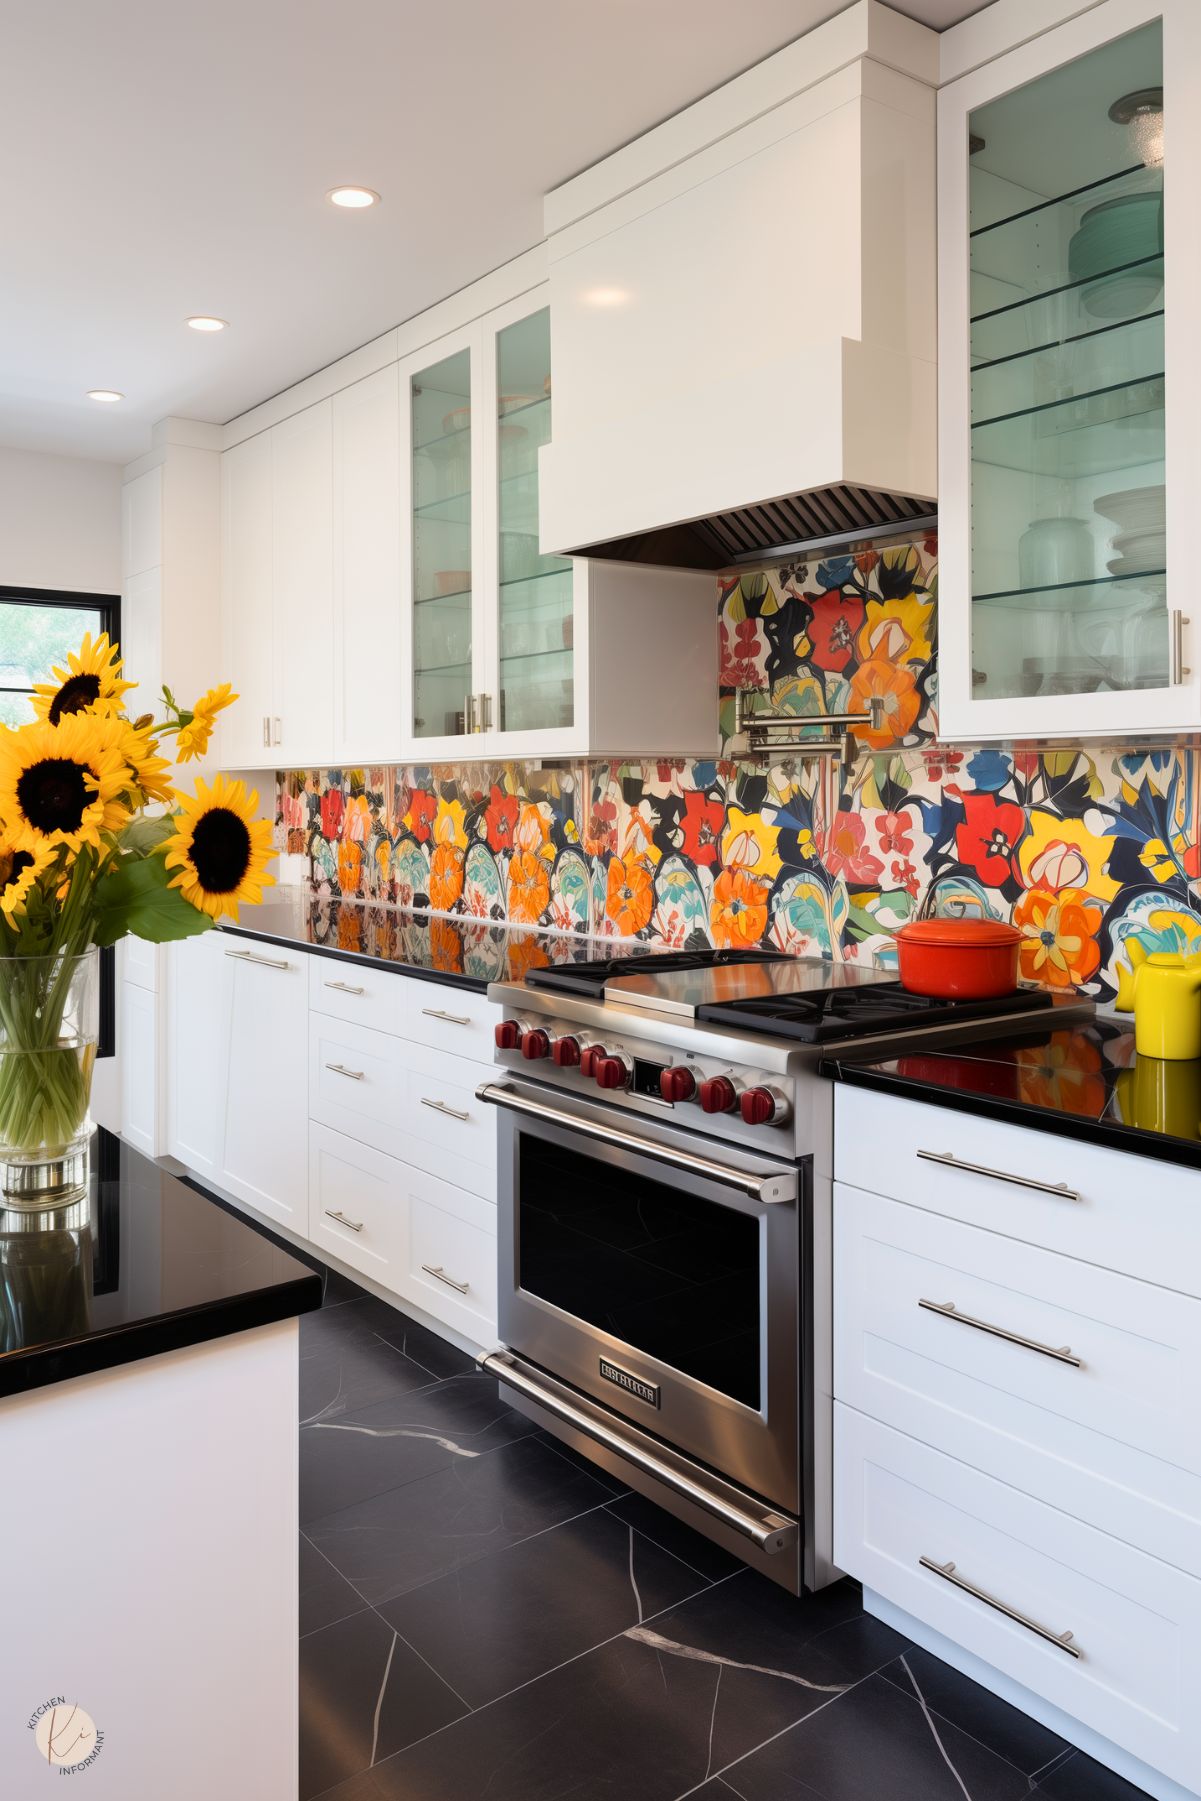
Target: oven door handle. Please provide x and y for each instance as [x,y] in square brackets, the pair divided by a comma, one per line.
[777,1187]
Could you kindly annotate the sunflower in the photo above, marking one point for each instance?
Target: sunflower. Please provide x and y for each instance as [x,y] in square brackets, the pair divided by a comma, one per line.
[192,739]
[148,772]
[62,784]
[19,870]
[90,684]
[220,849]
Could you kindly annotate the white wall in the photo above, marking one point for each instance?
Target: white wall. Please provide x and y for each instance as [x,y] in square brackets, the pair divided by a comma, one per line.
[60,522]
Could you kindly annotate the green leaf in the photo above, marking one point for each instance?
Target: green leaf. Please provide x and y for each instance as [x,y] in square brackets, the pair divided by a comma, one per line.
[136,898]
[144,835]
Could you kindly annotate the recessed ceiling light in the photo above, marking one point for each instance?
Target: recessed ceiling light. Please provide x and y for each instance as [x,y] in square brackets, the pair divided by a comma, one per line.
[351,196]
[107,395]
[207,322]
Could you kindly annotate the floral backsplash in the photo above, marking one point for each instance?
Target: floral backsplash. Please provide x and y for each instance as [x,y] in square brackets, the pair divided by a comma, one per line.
[1080,848]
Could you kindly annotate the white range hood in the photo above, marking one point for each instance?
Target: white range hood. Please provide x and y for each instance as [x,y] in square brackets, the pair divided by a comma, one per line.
[743,311]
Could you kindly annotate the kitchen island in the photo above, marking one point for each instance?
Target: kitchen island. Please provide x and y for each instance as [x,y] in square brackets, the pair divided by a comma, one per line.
[148,1386]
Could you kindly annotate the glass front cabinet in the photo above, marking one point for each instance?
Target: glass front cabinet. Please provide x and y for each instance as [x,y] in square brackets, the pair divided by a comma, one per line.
[491,619]
[1070,442]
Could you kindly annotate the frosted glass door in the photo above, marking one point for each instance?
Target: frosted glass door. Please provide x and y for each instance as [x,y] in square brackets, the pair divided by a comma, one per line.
[535,596]
[1068,546]
[442,647]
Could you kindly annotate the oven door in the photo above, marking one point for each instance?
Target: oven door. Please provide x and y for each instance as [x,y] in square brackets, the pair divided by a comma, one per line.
[660,1273]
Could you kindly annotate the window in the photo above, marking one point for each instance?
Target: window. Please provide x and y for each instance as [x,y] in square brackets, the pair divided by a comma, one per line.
[38,626]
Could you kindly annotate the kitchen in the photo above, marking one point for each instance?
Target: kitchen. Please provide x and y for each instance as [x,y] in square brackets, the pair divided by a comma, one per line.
[735,1351]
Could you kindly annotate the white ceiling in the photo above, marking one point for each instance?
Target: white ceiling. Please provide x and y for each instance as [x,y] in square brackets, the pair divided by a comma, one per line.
[159,159]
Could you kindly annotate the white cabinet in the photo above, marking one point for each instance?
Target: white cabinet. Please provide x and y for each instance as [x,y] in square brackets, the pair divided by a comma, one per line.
[196,1044]
[264,1156]
[1069,462]
[277,594]
[247,590]
[512,651]
[367,680]
[138,1037]
[302,711]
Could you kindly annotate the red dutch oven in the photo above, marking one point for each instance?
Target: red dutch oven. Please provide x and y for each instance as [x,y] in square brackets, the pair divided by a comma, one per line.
[958,959]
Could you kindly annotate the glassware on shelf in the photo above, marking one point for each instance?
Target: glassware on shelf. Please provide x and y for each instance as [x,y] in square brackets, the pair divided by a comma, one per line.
[442,501]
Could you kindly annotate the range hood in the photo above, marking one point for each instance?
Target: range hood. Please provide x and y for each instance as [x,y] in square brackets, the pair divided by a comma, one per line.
[743,313]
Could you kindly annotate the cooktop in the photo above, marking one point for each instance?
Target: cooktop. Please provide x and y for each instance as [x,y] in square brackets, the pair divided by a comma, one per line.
[823,1016]
[587,981]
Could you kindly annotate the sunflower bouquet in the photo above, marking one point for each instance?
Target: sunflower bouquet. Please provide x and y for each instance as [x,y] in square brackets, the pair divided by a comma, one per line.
[84,861]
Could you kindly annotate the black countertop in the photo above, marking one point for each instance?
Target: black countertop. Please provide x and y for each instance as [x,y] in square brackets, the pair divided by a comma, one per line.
[468,953]
[1082,1081]
[147,1264]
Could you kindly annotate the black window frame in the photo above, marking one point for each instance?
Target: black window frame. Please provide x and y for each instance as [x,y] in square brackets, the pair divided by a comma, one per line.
[108,607]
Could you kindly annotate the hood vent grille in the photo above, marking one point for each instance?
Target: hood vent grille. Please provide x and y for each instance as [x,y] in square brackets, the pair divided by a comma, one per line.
[748,534]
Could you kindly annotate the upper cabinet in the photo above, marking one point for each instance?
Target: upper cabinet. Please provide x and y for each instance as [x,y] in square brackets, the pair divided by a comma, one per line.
[1070,286]
[367,665]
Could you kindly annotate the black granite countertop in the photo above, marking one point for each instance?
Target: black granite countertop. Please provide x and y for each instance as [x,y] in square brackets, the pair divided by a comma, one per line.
[148,1263]
[469,953]
[1082,1081]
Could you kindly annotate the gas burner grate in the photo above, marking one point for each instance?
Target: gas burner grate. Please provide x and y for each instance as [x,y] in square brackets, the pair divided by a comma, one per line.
[589,979]
[835,1013]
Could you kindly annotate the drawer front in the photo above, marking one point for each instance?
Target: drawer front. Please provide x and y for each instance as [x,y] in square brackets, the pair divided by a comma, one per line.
[1135,1622]
[450,1019]
[350,992]
[1114,1438]
[414,1103]
[1127,1213]
[451,1270]
[356,1204]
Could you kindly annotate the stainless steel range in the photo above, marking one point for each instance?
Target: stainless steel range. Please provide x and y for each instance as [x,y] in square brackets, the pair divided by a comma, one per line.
[664,1222]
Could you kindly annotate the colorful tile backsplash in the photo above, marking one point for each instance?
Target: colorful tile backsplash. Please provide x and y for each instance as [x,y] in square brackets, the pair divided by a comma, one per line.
[1080,848]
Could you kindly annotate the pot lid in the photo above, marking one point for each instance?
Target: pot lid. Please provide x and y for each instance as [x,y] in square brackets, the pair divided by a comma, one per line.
[953,933]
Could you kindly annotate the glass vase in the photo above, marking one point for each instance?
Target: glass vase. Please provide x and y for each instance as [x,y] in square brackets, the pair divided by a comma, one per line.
[49,1025]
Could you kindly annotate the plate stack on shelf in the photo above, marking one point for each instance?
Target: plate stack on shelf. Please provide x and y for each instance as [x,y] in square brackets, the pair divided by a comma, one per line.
[1140,545]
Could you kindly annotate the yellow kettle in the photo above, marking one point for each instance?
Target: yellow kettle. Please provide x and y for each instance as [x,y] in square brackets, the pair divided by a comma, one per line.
[1162,990]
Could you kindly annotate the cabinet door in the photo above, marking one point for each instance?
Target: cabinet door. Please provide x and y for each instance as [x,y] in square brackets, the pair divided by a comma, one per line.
[302,515]
[264,1154]
[197,1003]
[138,1036]
[1069,462]
[530,677]
[367,601]
[445,579]
[247,580]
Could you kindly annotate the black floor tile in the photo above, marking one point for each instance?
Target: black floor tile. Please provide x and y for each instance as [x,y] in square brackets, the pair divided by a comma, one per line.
[399,1539]
[701,1554]
[580,1462]
[1079,1778]
[634,1720]
[344,1364]
[437,1355]
[874,1741]
[983,1716]
[325,1596]
[337,1288]
[352,1455]
[364,1695]
[511,1617]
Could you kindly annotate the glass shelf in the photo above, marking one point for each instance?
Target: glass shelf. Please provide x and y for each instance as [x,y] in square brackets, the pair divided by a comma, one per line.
[1134,178]
[438,600]
[1100,591]
[1120,427]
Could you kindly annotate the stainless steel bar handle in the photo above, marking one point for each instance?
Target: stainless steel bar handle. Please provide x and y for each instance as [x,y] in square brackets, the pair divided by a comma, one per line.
[266,731]
[485,712]
[345,988]
[340,1069]
[278,736]
[1060,1190]
[436,1269]
[356,1225]
[1063,1641]
[771,1532]
[948,1310]
[1179,669]
[450,1019]
[441,1107]
[768,1189]
[253,957]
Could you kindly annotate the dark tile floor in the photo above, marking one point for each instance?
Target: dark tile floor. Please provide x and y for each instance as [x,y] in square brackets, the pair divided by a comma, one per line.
[482,1613]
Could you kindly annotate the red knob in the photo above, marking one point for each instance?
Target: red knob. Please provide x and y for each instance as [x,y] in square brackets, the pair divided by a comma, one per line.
[535,1044]
[758,1106]
[508,1035]
[590,1057]
[678,1084]
[611,1072]
[566,1052]
[717,1095]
